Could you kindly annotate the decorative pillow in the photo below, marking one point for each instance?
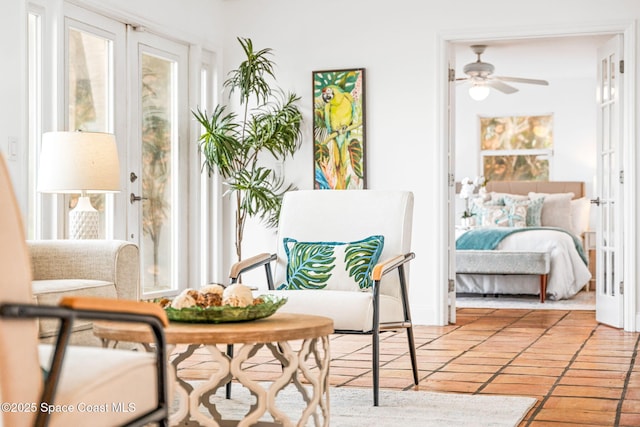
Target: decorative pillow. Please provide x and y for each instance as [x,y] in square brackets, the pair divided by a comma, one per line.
[331,265]
[499,197]
[534,209]
[580,215]
[556,209]
[504,216]
[478,205]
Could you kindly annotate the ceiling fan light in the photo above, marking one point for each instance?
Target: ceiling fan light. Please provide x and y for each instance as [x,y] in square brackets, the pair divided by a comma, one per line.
[479,92]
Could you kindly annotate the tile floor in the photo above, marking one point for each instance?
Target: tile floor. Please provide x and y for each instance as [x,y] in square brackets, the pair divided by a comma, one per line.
[582,373]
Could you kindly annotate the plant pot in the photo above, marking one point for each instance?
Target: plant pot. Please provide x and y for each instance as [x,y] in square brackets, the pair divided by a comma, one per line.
[468,221]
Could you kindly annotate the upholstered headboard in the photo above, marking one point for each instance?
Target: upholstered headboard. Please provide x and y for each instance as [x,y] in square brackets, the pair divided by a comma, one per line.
[524,187]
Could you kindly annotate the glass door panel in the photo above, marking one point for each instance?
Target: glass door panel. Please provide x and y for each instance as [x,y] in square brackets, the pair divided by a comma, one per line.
[89,87]
[157,217]
[609,281]
[158,122]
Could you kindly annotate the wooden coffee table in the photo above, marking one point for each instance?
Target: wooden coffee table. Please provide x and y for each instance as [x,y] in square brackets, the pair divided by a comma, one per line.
[274,332]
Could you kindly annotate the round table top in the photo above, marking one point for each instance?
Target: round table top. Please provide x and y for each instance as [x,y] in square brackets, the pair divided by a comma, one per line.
[278,327]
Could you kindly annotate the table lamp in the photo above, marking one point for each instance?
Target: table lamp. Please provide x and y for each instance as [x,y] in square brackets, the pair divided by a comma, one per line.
[79,162]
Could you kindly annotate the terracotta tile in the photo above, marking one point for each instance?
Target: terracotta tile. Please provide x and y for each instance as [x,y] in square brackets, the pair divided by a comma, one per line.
[524,379]
[574,366]
[449,386]
[595,382]
[531,370]
[629,420]
[577,391]
[591,373]
[516,389]
[581,417]
[631,406]
[632,393]
[459,376]
[578,403]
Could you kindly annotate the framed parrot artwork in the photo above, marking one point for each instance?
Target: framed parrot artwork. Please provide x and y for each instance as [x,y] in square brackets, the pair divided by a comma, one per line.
[339,129]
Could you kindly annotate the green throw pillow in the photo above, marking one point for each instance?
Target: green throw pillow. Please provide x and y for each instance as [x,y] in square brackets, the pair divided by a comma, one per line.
[331,265]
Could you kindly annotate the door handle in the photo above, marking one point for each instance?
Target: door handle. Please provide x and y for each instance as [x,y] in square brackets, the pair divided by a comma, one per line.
[595,201]
[134,198]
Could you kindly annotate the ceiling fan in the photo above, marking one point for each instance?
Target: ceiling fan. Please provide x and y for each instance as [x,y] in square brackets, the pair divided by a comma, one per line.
[480,75]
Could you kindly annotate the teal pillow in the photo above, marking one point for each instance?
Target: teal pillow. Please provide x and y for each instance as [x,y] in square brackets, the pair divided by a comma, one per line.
[534,209]
[331,265]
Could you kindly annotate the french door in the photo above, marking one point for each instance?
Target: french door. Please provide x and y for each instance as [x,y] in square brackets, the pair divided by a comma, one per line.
[134,84]
[609,201]
[157,190]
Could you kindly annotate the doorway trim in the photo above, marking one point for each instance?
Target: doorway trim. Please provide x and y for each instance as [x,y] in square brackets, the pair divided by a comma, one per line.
[444,42]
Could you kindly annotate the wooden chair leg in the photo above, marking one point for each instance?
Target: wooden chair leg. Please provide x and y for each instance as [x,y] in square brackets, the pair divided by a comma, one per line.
[543,287]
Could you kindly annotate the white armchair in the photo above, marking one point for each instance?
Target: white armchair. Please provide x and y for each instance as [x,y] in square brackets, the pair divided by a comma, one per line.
[362,289]
[65,385]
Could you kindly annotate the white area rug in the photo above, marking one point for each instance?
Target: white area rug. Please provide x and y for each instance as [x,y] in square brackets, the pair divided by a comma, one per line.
[581,301]
[352,407]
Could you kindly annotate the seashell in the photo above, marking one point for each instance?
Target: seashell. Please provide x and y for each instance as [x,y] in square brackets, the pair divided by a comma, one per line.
[212,289]
[237,295]
[184,300]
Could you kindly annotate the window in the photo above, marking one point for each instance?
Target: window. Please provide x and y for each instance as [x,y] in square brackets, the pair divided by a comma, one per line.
[103,75]
[34,59]
[516,148]
[210,215]
[89,86]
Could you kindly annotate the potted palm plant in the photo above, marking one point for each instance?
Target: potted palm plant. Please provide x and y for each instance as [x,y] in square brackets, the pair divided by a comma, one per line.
[269,122]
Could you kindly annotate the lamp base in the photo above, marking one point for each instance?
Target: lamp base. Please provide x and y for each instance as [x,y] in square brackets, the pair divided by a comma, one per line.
[84,220]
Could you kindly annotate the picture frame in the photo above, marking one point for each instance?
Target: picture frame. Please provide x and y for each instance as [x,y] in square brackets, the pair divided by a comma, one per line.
[339,129]
[516,148]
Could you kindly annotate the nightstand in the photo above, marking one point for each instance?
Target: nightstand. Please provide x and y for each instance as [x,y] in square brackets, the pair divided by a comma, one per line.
[589,238]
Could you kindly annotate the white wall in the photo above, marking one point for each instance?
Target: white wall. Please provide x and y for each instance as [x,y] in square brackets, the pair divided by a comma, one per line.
[397,43]
[12,86]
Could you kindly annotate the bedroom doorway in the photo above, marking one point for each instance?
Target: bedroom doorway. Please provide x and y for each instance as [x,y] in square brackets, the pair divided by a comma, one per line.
[448,131]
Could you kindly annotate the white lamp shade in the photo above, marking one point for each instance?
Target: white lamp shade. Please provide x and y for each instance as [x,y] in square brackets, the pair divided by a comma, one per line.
[479,92]
[77,162]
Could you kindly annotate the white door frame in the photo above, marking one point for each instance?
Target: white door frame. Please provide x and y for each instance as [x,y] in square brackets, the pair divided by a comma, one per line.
[445,39]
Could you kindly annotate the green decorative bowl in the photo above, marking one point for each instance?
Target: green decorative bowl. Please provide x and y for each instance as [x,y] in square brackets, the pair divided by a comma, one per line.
[227,313]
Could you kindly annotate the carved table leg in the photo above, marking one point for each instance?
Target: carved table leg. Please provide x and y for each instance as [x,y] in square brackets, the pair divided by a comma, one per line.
[311,361]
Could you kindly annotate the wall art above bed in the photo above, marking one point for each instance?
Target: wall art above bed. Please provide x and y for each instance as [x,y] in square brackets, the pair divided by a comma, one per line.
[516,148]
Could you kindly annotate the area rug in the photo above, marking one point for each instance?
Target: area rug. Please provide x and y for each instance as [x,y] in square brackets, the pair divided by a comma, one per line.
[352,407]
[581,301]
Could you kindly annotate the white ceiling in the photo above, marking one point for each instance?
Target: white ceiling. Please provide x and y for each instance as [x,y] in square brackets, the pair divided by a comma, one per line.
[541,58]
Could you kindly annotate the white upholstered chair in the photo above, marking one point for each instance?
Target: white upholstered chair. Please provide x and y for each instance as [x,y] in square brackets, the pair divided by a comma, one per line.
[84,385]
[333,216]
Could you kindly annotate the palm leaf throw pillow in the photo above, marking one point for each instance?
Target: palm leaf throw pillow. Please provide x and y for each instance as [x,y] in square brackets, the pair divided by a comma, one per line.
[331,265]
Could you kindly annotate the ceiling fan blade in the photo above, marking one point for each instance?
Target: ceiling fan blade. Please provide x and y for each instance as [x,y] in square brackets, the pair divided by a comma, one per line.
[502,87]
[521,80]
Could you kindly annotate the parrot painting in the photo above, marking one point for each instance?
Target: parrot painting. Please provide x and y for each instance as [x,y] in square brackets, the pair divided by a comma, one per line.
[338,129]
[339,114]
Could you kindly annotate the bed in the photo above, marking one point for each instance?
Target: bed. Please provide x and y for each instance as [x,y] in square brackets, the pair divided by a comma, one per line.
[531,218]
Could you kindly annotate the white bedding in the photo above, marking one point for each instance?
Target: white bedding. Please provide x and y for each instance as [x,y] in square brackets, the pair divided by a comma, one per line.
[568,272]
